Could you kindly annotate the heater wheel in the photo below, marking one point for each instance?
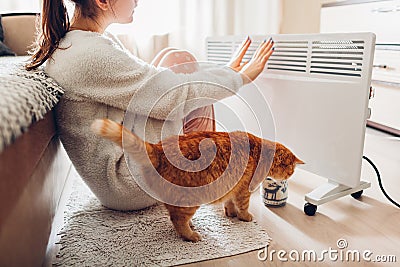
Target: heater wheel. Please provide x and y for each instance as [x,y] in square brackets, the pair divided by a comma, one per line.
[310,209]
[357,195]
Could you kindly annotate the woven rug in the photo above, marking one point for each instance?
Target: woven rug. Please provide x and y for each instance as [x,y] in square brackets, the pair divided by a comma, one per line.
[95,236]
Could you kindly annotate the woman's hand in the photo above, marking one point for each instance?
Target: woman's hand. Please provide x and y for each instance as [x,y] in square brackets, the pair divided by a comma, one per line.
[252,69]
[236,61]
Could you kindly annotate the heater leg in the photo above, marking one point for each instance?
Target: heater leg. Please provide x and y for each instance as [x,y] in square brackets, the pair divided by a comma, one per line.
[331,191]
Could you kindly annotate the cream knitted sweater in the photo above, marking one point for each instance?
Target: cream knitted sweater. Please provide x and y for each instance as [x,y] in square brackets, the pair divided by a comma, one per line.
[100,77]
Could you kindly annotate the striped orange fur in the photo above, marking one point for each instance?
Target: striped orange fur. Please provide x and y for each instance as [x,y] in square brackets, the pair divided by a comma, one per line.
[258,158]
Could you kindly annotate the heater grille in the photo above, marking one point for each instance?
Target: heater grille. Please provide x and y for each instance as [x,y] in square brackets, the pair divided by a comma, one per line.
[220,52]
[289,56]
[341,57]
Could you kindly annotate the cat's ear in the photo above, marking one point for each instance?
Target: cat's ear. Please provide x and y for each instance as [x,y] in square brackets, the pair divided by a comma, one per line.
[299,161]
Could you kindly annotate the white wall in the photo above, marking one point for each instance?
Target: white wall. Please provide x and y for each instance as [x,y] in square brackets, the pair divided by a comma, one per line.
[301,16]
[19,6]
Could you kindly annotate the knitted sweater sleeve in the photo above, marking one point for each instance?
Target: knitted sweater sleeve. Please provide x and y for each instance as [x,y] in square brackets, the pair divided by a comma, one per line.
[109,74]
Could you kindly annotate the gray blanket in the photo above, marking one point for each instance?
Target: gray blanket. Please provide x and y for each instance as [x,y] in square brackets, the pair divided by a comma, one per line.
[25,97]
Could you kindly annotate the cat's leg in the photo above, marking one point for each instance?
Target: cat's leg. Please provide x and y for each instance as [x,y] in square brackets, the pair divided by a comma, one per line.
[230,209]
[180,217]
[242,201]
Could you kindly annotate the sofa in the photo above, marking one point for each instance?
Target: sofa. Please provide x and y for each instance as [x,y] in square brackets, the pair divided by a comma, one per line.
[35,171]
[34,168]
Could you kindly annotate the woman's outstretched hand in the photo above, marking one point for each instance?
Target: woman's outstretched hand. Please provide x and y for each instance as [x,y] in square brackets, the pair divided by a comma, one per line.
[236,61]
[252,69]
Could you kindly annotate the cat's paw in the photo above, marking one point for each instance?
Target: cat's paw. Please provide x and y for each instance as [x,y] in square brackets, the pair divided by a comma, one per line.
[194,237]
[245,216]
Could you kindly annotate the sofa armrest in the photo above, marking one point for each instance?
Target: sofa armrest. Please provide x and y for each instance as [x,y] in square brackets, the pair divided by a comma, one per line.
[33,171]
[19,31]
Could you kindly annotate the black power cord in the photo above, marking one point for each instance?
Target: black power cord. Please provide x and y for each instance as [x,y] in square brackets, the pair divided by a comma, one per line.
[380,182]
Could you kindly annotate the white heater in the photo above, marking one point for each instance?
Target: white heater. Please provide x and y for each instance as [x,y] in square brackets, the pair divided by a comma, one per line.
[318,88]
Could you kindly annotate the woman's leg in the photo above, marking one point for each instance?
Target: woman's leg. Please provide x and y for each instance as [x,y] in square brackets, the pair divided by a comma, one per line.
[201,119]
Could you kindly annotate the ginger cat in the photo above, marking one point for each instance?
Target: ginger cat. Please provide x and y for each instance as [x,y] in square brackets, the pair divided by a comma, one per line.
[258,157]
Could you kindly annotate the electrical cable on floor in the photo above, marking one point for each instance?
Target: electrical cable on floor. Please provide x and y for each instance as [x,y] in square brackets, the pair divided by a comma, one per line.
[380,182]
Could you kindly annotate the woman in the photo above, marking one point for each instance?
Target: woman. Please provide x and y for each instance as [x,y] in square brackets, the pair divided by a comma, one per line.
[100,77]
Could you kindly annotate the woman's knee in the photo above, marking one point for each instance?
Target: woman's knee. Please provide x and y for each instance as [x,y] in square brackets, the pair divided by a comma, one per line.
[184,58]
[160,55]
[165,51]
[178,56]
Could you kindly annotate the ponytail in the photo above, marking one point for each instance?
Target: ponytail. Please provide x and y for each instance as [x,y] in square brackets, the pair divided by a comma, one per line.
[54,25]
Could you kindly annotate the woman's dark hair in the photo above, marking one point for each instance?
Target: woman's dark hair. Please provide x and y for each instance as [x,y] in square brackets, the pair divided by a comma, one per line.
[53,27]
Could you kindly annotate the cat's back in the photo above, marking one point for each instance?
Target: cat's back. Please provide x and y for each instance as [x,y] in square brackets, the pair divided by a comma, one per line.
[191,141]
[218,144]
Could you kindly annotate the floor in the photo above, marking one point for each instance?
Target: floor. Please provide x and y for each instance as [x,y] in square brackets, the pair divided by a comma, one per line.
[370,223]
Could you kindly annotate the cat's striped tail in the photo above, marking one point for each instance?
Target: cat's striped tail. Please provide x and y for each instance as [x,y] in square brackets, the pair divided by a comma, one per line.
[134,145]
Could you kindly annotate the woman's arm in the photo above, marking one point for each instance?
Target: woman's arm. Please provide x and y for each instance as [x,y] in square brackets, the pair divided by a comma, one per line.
[113,77]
